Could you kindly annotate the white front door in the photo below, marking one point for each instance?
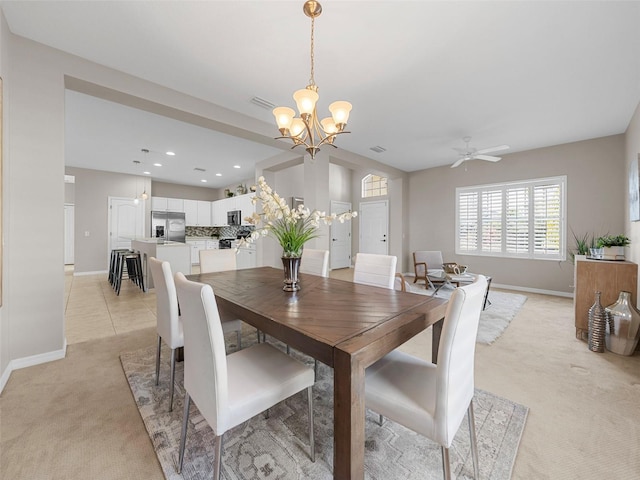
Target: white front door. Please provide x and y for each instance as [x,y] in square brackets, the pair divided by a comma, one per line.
[126,221]
[340,250]
[69,211]
[374,227]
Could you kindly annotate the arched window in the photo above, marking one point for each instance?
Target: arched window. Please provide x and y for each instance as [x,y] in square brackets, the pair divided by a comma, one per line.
[374,186]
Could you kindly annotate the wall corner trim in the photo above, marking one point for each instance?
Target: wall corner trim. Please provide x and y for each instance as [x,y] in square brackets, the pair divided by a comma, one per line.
[31,361]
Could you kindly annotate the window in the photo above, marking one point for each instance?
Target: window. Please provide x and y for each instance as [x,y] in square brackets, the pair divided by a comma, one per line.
[519,219]
[374,186]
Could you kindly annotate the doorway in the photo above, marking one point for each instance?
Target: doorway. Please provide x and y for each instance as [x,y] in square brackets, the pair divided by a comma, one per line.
[374,227]
[69,214]
[340,250]
[126,221]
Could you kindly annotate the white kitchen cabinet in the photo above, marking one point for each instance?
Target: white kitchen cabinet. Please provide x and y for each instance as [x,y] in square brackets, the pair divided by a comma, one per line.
[204,214]
[159,204]
[219,213]
[175,205]
[196,246]
[246,206]
[246,257]
[197,213]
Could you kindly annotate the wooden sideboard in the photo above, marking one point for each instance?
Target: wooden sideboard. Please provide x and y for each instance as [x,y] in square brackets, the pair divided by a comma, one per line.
[607,277]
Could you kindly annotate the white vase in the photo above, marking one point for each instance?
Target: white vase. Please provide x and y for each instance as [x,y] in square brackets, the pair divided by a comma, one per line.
[613,253]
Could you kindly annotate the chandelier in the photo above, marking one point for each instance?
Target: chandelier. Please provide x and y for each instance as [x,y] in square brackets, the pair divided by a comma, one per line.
[307,130]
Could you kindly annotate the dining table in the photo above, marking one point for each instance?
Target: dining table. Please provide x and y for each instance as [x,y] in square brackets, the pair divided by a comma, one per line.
[345,325]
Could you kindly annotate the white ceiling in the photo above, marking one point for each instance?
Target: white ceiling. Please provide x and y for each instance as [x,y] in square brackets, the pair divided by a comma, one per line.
[420,75]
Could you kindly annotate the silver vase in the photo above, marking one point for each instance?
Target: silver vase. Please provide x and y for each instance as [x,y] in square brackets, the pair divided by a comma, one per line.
[624,328]
[291,267]
[598,318]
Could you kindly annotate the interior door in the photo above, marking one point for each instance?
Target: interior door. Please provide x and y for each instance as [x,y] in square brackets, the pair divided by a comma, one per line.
[374,227]
[126,221]
[340,250]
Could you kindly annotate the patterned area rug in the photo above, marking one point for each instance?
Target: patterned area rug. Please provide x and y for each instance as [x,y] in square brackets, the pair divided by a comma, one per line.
[501,309]
[277,447]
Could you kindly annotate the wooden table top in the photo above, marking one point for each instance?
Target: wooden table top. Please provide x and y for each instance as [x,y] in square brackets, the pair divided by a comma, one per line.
[322,314]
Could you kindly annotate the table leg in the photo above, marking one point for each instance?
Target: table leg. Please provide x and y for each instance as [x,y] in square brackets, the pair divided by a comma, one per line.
[436,332]
[486,294]
[348,417]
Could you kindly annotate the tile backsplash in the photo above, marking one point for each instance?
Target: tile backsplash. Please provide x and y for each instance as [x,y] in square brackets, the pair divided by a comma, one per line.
[222,232]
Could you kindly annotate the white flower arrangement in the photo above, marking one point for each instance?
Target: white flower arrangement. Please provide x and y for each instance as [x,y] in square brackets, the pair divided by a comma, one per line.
[292,228]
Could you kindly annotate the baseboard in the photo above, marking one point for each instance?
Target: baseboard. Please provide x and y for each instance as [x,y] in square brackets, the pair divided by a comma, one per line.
[99,272]
[25,362]
[532,290]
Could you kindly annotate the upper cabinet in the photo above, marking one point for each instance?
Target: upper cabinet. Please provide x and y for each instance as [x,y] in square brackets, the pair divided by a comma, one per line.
[219,213]
[162,204]
[246,206]
[197,213]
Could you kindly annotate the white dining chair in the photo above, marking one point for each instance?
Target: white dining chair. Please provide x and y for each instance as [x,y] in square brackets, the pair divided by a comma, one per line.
[432,399]
[169,325]
[220,260]
[315,262]
[375,270]
[229,390]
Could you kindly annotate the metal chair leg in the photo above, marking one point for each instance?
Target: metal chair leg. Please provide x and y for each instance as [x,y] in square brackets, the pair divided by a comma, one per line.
[315,369]
[380,419]
[446,466]
[474,441]
[312,442]
[173,375]
[183,436]
[217,446]
[158,360]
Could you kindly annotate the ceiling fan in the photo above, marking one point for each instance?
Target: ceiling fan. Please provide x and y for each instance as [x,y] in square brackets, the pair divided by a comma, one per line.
[471,153]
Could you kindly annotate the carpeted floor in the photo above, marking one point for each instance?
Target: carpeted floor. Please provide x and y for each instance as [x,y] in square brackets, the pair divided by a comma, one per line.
[277,447]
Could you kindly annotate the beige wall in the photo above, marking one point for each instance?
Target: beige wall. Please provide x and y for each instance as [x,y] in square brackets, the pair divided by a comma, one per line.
[596,195]
[5,357]
[171,190]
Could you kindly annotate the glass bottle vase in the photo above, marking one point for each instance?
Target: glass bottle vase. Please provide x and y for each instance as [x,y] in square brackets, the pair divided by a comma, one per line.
[291,268]
[624,327]
[597,326]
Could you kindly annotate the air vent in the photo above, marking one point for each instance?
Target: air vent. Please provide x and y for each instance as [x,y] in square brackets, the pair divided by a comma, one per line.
[262,103]
[198,169]
[378,149]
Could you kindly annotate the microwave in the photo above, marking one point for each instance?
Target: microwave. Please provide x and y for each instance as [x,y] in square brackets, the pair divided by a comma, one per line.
[234,217]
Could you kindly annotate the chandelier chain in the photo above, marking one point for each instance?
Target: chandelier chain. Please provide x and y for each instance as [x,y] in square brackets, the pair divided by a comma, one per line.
[311,79]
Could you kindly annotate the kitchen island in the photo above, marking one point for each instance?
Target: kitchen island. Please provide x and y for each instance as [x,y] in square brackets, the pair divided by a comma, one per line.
[178,255]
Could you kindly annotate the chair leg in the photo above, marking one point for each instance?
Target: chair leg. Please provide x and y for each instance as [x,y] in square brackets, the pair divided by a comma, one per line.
[380,419]
[183,436]
[217,446]
[474,441]
[312,441]
[288,350]
[173,375]
[315,368]
[446,466]
[258,334]
[158,360]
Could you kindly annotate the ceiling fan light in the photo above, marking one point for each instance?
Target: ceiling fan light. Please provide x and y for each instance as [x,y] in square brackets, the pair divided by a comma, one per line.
[306,100]
[284,117]
[340,112]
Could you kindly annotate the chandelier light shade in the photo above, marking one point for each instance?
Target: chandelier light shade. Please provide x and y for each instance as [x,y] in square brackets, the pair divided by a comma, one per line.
[306,129]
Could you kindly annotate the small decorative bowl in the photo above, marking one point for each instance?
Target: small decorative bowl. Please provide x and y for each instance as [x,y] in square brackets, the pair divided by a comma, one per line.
[449,267]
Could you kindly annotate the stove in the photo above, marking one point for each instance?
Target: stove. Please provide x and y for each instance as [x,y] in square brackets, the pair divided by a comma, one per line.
[224,243]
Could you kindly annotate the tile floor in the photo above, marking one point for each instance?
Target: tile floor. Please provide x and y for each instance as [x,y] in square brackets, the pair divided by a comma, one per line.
[93,310]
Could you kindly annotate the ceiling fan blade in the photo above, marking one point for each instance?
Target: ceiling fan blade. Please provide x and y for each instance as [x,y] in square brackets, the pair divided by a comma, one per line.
[458,163]
[490,158]
[497,148]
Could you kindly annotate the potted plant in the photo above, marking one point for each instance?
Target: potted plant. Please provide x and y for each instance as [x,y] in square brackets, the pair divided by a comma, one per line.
[583,244]
[613,246]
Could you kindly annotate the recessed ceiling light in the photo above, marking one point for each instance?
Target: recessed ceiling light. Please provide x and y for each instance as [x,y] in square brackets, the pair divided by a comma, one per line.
[147,173]
[218,174]
[157,164]
[171,153]
[203,181]
[236,166]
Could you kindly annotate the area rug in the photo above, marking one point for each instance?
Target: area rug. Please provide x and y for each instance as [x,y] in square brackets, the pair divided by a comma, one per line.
[277,447]
[501,309]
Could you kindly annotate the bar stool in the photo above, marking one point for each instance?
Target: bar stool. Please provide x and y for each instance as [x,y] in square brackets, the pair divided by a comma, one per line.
[113,263]
[133,264]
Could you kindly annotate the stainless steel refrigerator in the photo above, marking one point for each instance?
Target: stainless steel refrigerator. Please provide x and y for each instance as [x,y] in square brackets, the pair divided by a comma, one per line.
[168,226]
